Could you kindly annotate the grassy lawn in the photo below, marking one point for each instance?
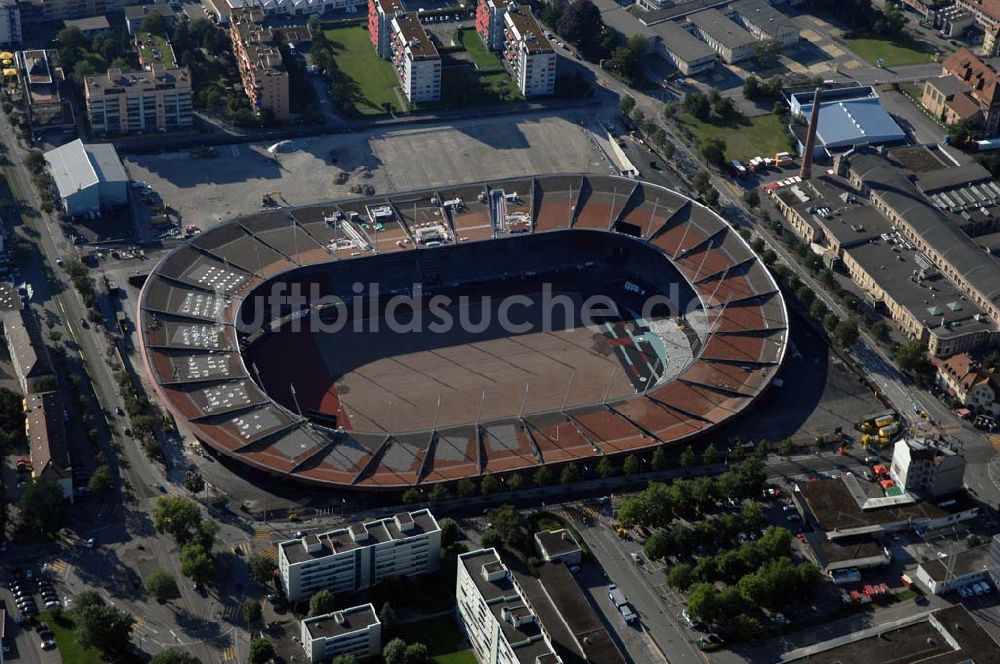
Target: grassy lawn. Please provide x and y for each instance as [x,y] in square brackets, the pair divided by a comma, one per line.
[69,650]
[442,638]
[371,79]
[895,53]
[745,137]
[473,44]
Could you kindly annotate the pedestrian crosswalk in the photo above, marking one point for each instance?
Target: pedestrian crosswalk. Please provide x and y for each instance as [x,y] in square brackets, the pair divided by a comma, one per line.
[585,513]
[230,613]
[262,534]
[242,549]
[995,440]
[139,624]
[229,654]
[270,552]
[59,566]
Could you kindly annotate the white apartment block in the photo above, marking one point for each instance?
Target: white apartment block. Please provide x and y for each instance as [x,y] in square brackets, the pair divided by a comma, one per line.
[350,559]
[495,616]
[10,23]
[528,54]
[354,631]
[416,60]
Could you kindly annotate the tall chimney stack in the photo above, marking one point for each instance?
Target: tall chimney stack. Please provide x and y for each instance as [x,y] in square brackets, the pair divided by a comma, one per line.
[807,155]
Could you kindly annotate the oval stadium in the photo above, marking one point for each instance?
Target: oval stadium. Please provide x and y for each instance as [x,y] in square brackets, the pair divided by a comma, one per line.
[434,335]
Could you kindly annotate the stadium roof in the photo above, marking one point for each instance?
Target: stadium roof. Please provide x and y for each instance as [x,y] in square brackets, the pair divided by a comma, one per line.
[855,122]
[190,345]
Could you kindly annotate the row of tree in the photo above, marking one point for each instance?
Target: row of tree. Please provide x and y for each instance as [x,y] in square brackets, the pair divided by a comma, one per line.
[659,504]
[182,519]
[705,535]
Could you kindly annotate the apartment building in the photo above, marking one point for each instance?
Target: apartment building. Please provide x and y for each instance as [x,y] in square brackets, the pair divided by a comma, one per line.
[975,387]
[927,467]
[10,23]
[380,15]
[490,22]
[34,11]
[417,63]
[966,91]
[986,14]
[350,559]
[527,53]
[42,79]
[139,101]
[265,79]
[495,615]
[46,433]
[28,354]
[355,631]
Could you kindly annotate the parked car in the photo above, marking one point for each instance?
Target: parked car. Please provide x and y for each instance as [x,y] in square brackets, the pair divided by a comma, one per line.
[963,591]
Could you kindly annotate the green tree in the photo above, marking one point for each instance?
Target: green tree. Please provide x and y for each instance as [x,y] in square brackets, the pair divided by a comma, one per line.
[251,611]
[344,659]
[681,576]
[697,105]
[957,133]
[714,151]
[846,332]
[178,517]
[194,482]
[581,25]
[439,492]
[786,447]
[542,476]
[605,467]
[261,650]
[101,481]
[630,466]
[817,309]
[701,182]
[466,488]
[625,106]
[262,569]
[571,472]
[411,496]
[515,482]
[394,652]
[912,356]
[659,461]
[687,458]
[161,584]
[710,455]
[449,531]
[506,520]
[42,507]
[101,626]
[417,653]
[322,603]
[489,485]
[197,565]
[174,657]
[703,602]
[387,616]
[491,539]
[633,512]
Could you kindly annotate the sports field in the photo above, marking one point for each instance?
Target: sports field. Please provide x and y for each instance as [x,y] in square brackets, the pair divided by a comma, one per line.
[894,52]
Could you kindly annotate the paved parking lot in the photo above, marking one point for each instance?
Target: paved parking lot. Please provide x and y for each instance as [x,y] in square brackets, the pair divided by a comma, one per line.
[209,190]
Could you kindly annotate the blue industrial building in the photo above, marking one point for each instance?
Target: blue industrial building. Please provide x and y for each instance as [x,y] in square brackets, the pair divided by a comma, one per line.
[848,117]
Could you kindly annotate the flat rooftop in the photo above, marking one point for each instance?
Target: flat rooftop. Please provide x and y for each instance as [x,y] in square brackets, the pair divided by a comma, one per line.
[726,31]
[946,636]
[959,563]
[835,508]
[765,17]
[681,43]
[340,540]
[557,542]
[414,36]
[935,301]
[342,622]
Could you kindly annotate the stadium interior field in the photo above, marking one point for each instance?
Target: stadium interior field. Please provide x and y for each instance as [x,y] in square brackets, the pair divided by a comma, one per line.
[520,326]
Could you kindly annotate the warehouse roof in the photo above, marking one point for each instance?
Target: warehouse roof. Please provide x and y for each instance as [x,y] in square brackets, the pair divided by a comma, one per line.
[681,43]
[76,166]
[724,30]
[961,252]
[855,122]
